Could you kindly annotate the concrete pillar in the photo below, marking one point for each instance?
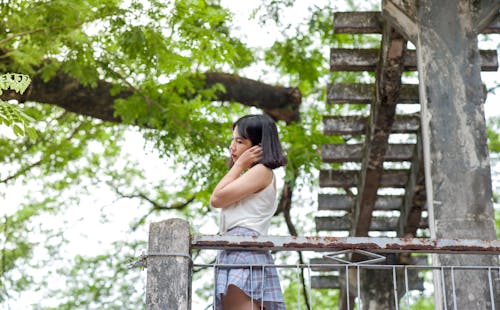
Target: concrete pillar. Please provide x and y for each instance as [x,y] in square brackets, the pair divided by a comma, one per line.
[456,160]
[169,266]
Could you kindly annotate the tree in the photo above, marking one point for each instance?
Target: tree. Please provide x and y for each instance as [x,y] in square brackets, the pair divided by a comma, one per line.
[175,72]
[169,70]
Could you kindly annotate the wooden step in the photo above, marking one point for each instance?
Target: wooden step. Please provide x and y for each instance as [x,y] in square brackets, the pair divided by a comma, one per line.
[343,223]
[338,153]
[356,125]
[345,59]
[350,178]
[325,282]
[339,202]
[415,282]
[359,93]
[371,22]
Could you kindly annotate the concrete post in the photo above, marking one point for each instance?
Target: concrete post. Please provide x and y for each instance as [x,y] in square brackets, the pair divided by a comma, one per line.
[456,160]
[169,266]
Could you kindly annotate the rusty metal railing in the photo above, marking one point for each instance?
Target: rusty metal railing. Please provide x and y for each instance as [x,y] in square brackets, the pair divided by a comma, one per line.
[441,280]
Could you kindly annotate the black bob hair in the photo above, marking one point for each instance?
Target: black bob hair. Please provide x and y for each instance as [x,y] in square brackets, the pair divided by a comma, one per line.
[261,129]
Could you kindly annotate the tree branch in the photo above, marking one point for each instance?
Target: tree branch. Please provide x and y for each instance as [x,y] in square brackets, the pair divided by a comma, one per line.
[285,205]
[282,103]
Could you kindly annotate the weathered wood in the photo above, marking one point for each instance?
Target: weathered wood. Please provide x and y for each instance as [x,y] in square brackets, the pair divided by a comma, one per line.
[457,168]
[332,223]
[345,59]
[168,259]
[357,22]
[349,178]
[365,93]
[415,283]
[344,223]
[325,282]
[371,22]
[339,202]
[337,153]
[414,200]
[356,125]
[383,109]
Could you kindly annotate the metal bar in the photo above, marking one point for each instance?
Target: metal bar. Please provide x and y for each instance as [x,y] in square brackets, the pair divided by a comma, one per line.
[310,286]
[395,288]
[491,289]
[407,290]
[297,272]
[251,285]
[378,245]
[453,289]
[443,285]
[262,288]
[215,286]
[339,266]
[347,287]
[358,278]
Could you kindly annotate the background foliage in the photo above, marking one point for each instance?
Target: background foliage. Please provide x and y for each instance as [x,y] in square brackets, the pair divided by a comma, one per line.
[76,201]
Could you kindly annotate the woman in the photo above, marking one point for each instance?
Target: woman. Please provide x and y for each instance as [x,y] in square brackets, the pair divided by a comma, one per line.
[247,197]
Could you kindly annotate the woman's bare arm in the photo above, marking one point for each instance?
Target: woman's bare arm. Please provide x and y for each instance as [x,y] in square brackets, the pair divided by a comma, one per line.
[234,186]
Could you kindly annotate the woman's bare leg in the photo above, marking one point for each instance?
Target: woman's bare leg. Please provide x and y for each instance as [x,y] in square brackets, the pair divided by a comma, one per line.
[236,299]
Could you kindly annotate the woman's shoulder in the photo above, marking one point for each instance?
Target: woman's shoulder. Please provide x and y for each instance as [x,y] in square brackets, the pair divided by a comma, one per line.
[261,169]
[263,173]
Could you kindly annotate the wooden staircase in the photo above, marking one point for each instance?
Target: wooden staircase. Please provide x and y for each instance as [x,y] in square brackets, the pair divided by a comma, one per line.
[383,194]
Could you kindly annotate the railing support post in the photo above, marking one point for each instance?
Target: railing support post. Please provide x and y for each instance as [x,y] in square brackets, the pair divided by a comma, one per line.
[169,266]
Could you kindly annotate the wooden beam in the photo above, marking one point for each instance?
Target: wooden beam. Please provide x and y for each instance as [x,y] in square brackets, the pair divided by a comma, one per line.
[344,223]
[356,125]
[371,22]
[358,93]
[383,109]
[357,22]
[345,59]
[325,282]
[350,178]
[333,281]
[337,153]
[340,202]
[414,200]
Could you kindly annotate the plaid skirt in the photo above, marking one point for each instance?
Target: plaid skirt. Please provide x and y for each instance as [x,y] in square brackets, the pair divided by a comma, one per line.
[260,283]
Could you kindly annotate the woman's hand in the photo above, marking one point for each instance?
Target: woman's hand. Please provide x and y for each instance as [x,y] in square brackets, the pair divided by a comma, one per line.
[250,157]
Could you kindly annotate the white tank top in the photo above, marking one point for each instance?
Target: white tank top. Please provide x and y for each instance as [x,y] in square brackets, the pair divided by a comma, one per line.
[254,211]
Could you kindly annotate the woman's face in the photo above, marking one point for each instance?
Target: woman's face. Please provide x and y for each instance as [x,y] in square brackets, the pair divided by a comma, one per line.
[238,145]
